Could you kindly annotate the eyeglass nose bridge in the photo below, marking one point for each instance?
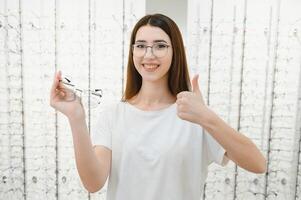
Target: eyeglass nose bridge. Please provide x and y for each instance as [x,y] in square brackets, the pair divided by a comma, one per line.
[152,52]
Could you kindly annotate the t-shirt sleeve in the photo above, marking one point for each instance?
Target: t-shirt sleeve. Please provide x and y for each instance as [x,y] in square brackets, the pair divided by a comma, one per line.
[216,153]
[101,133]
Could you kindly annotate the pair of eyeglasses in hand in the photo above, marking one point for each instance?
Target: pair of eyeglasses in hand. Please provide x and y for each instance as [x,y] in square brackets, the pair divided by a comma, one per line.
[71,92]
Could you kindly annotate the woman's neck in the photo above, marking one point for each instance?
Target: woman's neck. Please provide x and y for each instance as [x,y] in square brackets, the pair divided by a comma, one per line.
[153,96]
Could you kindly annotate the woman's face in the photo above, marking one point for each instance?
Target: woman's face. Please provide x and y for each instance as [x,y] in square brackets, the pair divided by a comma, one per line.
[151,67]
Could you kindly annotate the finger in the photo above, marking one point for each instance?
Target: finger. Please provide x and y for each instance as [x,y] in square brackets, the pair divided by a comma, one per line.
[58,76]
[195,84]
[61,83]
[55,82]
[57,86]
[178,101]
[181,101]
[183,115]
[182,94]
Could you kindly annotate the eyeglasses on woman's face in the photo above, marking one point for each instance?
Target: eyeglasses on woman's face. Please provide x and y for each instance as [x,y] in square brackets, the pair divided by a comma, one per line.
[159,50]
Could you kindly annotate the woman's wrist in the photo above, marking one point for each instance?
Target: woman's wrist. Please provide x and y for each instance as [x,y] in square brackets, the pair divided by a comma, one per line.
[77,117]
[209,119]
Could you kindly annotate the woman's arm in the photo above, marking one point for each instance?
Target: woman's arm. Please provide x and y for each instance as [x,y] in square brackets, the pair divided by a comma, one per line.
[239,148]
[93,165]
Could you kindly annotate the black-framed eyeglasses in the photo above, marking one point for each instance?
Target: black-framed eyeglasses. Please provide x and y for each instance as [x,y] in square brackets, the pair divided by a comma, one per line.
[159,50]
[94,95]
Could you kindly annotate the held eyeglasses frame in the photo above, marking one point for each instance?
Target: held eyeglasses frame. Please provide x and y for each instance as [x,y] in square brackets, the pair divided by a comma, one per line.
[97,93]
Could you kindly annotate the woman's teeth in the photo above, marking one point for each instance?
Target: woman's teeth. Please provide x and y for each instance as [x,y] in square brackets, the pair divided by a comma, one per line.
[150,66]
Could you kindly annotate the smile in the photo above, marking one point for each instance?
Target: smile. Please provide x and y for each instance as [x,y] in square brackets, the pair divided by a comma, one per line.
[150,67]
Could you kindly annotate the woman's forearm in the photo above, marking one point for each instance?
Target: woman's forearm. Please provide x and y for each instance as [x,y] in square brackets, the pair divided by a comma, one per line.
[238,147]
[88,166]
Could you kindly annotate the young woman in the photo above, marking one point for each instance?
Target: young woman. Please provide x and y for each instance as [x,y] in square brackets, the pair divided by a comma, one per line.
[151,144]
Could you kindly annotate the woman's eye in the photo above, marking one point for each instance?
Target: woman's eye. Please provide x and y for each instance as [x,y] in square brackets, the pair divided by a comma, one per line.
[161,46]
[140,46]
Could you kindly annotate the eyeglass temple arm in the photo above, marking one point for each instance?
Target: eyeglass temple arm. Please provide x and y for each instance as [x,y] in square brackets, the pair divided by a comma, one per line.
[66,83]
[94,92]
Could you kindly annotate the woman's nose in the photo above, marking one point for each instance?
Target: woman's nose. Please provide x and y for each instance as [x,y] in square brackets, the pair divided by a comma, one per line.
[148,52]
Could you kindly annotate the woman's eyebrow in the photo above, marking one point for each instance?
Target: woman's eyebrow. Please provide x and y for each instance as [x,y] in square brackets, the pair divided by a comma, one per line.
[160,41]
[155,41]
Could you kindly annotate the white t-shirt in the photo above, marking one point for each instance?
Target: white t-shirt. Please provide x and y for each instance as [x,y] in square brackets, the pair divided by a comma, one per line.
[155,154]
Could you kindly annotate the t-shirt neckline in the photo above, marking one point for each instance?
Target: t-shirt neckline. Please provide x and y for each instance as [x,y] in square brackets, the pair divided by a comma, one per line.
[149,112]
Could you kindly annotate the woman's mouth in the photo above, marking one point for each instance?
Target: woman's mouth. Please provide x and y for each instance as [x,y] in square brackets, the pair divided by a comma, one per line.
[150,67]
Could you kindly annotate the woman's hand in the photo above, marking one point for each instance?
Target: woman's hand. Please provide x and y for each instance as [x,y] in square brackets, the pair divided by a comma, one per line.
[58,100]
[191,106]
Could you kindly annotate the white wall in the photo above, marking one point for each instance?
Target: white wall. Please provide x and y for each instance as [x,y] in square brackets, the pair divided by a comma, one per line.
[246,52]
[175,9]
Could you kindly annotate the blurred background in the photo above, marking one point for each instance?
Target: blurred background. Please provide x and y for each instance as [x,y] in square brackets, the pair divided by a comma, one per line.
[248,55]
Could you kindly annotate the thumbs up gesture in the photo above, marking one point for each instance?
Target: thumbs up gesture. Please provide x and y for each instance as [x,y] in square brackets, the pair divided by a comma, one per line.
[190,105]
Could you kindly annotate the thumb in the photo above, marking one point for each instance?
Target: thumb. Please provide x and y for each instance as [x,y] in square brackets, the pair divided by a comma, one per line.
[195,84]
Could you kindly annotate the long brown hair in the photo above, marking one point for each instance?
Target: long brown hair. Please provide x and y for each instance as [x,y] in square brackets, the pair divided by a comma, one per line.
[178,75]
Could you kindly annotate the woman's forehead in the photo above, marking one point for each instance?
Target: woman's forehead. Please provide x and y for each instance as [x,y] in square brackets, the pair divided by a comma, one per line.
[151,34]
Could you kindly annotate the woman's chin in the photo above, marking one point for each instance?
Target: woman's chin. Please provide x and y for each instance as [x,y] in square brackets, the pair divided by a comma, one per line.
[154,78]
